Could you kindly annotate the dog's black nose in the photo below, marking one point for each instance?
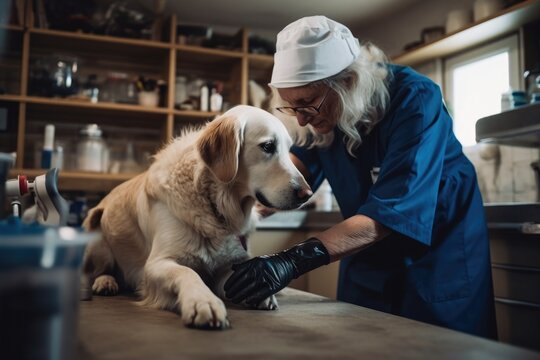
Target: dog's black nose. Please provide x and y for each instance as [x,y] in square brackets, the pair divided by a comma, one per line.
[303,194]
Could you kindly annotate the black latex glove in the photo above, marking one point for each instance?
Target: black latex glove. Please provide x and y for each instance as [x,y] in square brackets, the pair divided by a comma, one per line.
[258,278]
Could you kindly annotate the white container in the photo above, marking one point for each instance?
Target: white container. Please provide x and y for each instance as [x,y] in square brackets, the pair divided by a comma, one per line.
[457,20]
[180,94]
[486,8]
[216,101]
[148,98]
[58,157]
[204,98]
[323,202]
[506,101]
[92,151]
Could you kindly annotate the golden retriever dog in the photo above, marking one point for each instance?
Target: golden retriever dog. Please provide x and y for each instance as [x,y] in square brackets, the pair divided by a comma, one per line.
[173,232]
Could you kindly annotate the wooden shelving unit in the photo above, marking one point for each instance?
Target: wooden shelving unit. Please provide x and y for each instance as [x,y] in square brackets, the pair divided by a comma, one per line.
[496,26]
[163,59]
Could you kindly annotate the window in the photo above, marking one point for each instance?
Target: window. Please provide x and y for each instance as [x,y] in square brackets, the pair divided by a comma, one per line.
[475,81]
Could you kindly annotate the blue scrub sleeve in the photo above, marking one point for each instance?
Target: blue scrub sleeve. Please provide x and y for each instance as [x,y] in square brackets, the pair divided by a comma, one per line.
[404,197]
[310,159]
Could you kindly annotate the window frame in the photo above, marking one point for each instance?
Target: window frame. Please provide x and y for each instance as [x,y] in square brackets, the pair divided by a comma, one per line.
[510,44]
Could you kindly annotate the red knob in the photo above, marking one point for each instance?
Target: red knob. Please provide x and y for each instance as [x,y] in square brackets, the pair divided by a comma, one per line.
[23,184]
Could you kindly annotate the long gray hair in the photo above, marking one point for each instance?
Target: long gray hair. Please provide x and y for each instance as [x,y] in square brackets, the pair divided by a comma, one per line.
[363,95]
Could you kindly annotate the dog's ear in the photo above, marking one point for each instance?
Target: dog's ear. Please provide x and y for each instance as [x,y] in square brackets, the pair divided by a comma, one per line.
[219,147]
[93,219]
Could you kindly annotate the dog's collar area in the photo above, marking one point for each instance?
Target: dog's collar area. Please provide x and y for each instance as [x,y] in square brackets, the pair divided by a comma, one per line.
[219,216]
[243,241]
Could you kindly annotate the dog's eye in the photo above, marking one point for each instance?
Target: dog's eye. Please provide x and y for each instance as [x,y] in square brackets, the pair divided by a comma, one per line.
[268,147]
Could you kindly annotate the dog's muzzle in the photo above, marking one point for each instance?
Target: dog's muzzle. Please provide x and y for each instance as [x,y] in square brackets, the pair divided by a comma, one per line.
[262,199]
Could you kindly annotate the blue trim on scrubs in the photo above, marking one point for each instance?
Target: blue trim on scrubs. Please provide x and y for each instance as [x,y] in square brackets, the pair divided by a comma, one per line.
[435,267]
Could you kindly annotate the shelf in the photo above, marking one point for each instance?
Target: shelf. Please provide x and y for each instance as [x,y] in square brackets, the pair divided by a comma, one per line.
[506,21]
[13,98]
[76,180]
[261,60]
[107,106]
[100,38]
[89,105]
[516,127]
[11,27]
[195,114]
[209,51]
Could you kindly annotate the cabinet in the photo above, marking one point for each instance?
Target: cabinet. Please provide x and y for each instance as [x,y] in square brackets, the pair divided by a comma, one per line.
[514,233]
[26,113]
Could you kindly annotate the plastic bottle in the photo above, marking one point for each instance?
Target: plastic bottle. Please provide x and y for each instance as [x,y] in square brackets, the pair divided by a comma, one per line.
[204,98]
[324,197]
[216,100]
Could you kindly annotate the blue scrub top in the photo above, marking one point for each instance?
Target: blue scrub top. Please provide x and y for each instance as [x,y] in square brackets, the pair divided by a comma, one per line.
[435,266]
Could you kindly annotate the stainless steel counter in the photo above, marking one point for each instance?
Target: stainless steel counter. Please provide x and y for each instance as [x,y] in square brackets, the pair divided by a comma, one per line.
[306,327]
[300,220]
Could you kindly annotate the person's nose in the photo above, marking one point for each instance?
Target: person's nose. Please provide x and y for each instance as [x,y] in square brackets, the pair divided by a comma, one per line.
[303,119]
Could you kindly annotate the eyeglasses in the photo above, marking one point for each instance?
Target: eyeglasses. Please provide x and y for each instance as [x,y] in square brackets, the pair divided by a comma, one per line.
[303,110]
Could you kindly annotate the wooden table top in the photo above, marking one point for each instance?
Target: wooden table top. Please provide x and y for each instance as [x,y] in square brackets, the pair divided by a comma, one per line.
[306,326]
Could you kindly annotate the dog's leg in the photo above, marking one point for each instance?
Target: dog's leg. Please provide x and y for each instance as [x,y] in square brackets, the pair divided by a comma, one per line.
[170,285]
[98,263]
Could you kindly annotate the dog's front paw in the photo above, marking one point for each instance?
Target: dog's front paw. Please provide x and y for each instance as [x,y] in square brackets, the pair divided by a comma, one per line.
[105,285]
[204,311]
[270,303]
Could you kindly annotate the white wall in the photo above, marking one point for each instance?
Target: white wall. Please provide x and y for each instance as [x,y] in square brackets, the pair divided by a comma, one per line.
[392,33]
[504,172]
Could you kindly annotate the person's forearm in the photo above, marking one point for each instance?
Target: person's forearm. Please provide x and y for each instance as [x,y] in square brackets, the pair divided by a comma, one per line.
[351,235]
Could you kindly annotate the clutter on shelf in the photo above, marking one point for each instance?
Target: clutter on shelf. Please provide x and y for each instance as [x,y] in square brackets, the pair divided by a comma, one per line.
[260,45]
[206,36]
[198,94]
[118,18]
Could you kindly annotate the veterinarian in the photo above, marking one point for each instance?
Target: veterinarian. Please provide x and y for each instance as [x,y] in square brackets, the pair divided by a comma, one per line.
[414,240]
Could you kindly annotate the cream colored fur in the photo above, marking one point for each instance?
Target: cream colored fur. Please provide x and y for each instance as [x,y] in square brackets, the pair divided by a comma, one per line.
[172,231]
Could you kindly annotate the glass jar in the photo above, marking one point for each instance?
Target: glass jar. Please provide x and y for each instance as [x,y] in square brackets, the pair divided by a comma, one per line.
[92,151]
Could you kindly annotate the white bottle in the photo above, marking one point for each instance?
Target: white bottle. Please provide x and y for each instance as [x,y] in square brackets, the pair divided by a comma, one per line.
[216,101]
[48,147]
[324,197]
[204,98]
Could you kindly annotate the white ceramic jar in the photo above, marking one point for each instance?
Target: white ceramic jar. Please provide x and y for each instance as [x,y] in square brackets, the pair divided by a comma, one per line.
[457,20]
[486,8]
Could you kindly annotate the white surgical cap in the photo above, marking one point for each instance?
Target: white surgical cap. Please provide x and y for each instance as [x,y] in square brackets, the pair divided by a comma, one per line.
[310,49]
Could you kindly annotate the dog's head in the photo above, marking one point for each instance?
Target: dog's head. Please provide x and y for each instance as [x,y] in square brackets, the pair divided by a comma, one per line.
[250,147]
